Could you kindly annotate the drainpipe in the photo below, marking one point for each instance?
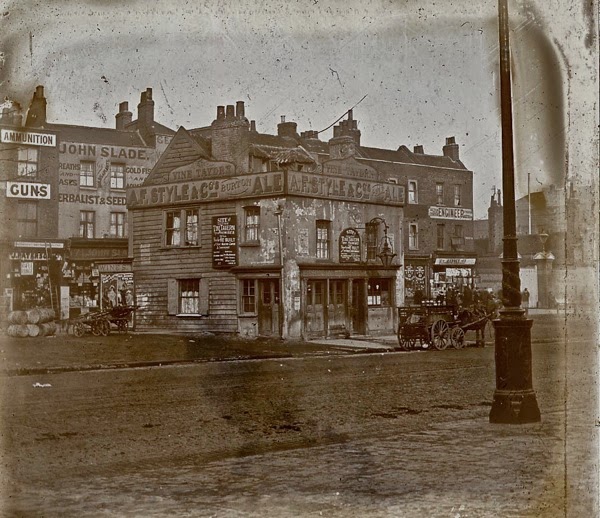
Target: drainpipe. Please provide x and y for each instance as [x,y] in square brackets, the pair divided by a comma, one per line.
[278,213]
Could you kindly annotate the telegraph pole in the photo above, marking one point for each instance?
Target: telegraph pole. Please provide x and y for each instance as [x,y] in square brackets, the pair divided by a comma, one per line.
[514,398]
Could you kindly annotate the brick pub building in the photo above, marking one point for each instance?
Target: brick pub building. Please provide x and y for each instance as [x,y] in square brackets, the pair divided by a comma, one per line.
[237,231]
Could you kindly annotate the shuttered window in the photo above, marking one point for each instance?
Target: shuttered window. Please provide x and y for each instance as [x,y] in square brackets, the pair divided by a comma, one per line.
[187,297]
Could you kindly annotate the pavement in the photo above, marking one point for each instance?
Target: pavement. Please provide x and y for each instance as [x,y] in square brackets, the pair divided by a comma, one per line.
[65,352]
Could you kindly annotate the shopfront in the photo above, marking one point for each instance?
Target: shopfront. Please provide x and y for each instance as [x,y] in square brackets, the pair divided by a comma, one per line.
[452,272]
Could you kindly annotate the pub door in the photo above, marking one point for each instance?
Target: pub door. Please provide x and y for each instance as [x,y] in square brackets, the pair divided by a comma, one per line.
[268,307]
[337,303]
[359,307]
[315,308]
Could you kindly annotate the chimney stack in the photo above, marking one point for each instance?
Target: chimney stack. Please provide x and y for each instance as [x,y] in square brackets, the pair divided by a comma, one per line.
[418,150]
[229,136]
[124,117]
[349,128]
[451,149]
[287,129]
[146,109]
[36,115]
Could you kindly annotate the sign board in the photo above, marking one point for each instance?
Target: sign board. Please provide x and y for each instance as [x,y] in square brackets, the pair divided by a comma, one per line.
[224,241]
[37,244]
[349,246]
[26,268]
[113,267]
[30,190]
[455,261]
[451,213]
[27,137]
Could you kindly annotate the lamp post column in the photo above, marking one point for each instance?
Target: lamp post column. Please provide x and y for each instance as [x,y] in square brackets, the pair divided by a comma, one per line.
[514,398]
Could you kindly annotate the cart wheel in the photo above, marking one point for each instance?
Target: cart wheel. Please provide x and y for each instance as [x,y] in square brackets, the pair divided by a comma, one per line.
[96,327]
[104,326]
[439,335]
[78,330]
[457,337]
[489,333]
[123,326]
[406,343]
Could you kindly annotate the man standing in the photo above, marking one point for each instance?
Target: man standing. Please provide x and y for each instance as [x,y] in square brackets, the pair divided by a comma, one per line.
[525,300]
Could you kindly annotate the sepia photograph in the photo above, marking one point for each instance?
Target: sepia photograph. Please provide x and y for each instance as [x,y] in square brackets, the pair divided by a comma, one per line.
[267,258]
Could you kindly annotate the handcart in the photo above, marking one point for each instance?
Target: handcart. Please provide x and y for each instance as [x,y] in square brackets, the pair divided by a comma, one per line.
[99,322]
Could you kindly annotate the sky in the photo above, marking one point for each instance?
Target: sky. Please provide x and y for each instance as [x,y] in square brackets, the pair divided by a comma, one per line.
[428,69]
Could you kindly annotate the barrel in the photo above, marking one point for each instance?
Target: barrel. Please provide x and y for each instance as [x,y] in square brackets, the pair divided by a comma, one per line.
[17,317]
[33,330]
[19,330]
[33,316]
[40,315]
[48,329]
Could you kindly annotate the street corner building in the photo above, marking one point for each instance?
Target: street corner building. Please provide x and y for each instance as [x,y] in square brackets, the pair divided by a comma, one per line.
[240,232]
[65,222]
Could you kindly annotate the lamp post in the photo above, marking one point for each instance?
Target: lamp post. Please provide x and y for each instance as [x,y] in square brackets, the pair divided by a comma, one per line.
[514,398]
[386,256]
[279,212]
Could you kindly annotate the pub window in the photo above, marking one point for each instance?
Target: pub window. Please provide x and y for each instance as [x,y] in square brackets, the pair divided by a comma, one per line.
[457,196]
[27,218]
[117,176]
[117,224]
[439,193]
[323,228]
[413,236]
[189,296]
[251,224]
[378,292]
[248,296]
[87,220]
[371,230]
[27,162]
[412,192]
[181,228]
[87,173]
[440,236]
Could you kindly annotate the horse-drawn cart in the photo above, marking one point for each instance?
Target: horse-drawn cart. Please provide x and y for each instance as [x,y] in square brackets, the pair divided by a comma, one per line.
[438,326]
[99,322]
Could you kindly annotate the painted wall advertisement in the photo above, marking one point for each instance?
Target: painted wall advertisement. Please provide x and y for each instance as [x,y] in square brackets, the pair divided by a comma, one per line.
[224,241]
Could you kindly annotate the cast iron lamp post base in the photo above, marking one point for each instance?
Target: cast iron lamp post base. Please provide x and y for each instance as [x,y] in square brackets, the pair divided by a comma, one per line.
[514,399]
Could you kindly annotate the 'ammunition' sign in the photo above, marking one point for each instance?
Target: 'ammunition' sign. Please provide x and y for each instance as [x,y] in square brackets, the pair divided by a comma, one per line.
[27,137]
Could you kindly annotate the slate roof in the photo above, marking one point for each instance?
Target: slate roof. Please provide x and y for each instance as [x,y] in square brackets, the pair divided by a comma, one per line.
[91,135]
[156,126]
[404,155]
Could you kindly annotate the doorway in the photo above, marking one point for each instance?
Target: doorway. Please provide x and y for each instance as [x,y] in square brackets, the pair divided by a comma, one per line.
[359,307]
[268,307]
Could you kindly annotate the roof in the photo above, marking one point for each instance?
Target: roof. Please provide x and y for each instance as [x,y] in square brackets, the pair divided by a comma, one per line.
[282,156]
[404,155]
[156,126]
[92,135]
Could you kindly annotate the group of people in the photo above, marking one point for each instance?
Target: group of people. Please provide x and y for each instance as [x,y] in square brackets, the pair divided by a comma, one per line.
[113,298]
[463,296]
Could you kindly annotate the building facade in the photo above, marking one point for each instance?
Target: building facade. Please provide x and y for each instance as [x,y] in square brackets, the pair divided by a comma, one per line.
[65,204]
[285,235]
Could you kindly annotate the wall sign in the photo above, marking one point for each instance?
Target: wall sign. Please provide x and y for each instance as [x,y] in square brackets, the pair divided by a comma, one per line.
[349,246]
[451,213]
[30,190]
[224,241]
[27,137]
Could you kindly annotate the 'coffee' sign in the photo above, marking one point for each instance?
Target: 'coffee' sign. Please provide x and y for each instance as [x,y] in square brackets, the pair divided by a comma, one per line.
[350,246]
[224,240]
[30,190]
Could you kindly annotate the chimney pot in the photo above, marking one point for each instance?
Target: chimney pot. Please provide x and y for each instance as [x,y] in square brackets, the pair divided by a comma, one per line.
[230,112]
[220,112]
[418,149]
[239,109]
[350,114]
[39,91]
[283,118]
[123,107]
[252,125]
[450,140]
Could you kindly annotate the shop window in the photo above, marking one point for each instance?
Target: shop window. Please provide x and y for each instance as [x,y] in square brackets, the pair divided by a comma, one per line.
[315,293]
[323,228]
[188,297]
[248,296]
[27,212]
[441,229]
[27,162]
[371,230]
[117,176]
[439,193]
[181,228]
[251,224]
[412,192]
[87,220]
[117,224]
[413,236]
[87,173]
[457,196]
[378,292]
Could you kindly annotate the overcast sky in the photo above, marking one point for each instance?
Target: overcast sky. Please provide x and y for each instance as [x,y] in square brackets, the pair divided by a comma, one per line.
[428,70]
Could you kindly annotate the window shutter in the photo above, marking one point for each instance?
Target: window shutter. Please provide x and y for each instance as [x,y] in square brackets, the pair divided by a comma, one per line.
[172,297]
[203,303]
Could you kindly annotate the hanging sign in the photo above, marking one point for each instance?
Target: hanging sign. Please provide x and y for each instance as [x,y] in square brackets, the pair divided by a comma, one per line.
[349,246]
[224,241]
